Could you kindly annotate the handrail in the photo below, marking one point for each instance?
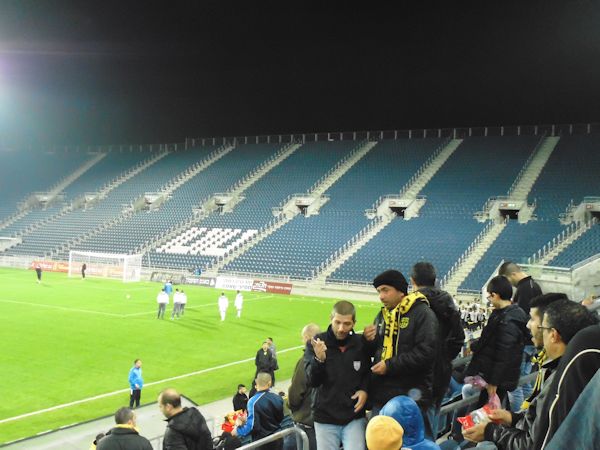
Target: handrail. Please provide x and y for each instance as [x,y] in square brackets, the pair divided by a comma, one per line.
[560,238]
[336,167]
[525,166]
[301,438]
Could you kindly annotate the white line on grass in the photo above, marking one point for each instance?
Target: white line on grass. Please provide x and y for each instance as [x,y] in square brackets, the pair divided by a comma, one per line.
[63,308]
[122,391]
[87,311]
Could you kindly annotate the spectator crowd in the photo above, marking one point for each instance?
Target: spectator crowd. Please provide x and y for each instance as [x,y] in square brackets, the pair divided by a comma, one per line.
[385,388]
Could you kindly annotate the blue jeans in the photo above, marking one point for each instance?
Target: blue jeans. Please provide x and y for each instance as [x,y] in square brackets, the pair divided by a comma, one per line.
[352,435]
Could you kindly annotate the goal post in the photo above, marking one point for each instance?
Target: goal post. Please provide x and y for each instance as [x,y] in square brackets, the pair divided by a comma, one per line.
[106,265]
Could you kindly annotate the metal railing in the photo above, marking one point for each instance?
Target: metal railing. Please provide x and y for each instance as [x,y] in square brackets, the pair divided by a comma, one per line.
[451,407]
[526,165]
[566,234]
[301,439]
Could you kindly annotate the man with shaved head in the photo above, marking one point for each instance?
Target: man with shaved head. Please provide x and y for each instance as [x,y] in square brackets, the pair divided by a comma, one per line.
[300,394]
[125,434]
[527,289]
[265,413]
[186,427]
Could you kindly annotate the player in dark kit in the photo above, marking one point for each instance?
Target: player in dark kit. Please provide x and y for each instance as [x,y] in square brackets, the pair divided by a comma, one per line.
[38,271]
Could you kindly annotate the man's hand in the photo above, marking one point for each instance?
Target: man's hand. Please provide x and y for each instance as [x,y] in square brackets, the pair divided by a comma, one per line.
[137,386]
[501,415]
[475,433]
[370,332]
[380,368]
[320,348]
[234,432]
[491,390]
[362,399]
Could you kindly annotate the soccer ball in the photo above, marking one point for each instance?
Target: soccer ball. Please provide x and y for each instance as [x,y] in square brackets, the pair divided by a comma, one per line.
[128,296]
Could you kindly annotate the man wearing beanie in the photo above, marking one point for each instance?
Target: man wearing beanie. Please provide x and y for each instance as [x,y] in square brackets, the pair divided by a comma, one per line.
[402,341]
[384,433]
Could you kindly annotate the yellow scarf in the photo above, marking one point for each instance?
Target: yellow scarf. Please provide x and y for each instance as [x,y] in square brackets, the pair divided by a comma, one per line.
[393,325]
[538,359]
[126,425]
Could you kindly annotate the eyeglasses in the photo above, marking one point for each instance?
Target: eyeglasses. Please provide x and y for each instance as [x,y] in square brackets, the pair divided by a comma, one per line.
[545,328]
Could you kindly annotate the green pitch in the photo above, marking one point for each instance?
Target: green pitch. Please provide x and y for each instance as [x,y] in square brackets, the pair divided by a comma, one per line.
[67,340]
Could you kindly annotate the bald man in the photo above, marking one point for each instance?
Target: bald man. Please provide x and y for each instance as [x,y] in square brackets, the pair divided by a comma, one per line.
[186,427]
[300,394]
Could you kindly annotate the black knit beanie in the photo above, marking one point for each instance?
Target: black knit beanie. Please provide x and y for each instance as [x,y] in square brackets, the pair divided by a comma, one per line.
[392,278]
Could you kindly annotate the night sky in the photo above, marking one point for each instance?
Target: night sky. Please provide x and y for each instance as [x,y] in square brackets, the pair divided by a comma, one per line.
[123,72]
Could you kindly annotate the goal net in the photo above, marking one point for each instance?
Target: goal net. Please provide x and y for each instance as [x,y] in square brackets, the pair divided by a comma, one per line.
[105,265]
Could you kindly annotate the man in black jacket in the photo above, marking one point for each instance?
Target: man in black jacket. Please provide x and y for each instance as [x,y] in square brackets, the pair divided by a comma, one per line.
[265,362]
[240,399]
[563,319]
[451,335]
[300,394]
[403,342]
[526,290]
[125,434]
[186,427]
[498,352]
[337,365]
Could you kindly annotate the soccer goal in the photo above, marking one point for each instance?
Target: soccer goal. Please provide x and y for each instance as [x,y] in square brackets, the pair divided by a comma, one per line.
[105,265]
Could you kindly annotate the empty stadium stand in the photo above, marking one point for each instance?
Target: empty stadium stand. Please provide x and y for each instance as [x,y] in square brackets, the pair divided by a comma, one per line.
[127,201]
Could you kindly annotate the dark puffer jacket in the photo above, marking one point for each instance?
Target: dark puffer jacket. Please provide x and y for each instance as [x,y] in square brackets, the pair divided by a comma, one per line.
[451,338]
[498,353]
[187,430]
[123,437]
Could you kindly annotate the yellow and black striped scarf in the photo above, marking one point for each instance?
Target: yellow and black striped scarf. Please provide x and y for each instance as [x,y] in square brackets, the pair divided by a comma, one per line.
[393,325]
[538,359]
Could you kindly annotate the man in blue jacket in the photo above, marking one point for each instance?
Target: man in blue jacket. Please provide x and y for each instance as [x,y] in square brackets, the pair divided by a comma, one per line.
[265,413]
[136,383]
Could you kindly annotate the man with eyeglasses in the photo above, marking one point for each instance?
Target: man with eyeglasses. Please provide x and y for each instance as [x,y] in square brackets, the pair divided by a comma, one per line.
[562,319]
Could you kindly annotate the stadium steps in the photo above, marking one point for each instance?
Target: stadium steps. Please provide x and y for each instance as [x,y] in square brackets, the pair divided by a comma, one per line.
[171,186]
[519,190]
[195,169]
[57,188]
[264,232]
[336,260]
[104,191]
[469,259]
[557,245]
[12,219]
[243,184]
[340,169]
[237,189]
[532,169]
[127,175]
[429,169]
[37,225]
[63,248]
[411,189]
[62,184]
